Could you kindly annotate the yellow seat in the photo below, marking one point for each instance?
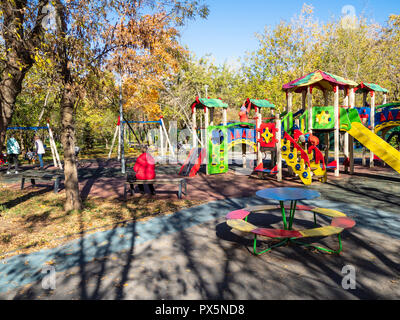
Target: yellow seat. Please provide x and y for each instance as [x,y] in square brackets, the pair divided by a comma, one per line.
[261,208]
[241,225]
[321,232]
[329,212]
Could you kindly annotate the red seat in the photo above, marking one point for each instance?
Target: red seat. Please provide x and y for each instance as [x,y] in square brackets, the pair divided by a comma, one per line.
[237,214]
[276,233]
[343,222]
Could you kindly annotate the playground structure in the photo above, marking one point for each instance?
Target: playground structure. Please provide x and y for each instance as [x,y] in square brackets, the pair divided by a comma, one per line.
[147,139]
[219,139]
[262,137]
[347,118]
[387,121]
[292,136]
[56,158]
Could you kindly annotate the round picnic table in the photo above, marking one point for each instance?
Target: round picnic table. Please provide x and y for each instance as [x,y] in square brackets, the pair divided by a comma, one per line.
[288,194]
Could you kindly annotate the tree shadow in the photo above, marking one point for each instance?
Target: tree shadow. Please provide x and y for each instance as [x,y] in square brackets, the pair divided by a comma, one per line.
[21,199]
[193,254]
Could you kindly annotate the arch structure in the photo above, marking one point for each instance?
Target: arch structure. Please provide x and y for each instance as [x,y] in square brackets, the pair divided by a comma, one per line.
[238,135]
[387,116]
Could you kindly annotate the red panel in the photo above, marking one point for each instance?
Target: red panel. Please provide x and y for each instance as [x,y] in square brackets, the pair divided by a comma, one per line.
[342,222]
[276,233]
[271,127]
[237,214]
[332,164]
[319,157]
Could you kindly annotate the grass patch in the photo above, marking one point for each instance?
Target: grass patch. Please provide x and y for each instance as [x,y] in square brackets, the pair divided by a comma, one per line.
[30,221]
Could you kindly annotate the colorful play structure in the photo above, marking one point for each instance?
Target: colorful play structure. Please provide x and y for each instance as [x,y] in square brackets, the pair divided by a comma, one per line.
[293,136]
[224,137]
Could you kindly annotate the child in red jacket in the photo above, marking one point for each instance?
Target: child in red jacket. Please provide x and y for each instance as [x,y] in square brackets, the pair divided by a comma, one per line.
[145,169]
[243,114]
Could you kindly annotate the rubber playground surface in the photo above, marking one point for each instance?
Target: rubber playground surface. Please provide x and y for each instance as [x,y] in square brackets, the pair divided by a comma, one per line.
[193,254]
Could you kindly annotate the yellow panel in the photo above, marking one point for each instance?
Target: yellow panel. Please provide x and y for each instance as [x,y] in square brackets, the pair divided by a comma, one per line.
[321,232]
[378,146]
[241,225]
[261,208]
[329,212]
[296,160]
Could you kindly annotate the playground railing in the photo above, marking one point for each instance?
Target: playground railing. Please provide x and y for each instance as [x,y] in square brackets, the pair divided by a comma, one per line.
[303,122]
[287,122]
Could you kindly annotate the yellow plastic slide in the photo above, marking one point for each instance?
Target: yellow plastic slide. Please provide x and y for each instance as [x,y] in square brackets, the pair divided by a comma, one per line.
[374,143]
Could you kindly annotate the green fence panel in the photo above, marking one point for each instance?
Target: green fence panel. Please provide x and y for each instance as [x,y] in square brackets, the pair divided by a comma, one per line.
[323,118]
[218,149]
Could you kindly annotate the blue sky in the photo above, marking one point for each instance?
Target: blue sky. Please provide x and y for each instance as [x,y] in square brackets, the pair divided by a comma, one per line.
[229,31]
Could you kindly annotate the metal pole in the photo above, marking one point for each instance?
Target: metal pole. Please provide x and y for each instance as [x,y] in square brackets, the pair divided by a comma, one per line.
[278,125]
[113,141]
[121,127]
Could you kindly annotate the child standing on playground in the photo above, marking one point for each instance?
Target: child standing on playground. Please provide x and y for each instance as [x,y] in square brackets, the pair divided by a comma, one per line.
[243,114]
[145,169]
[31,156]
[13,150]
[39,150]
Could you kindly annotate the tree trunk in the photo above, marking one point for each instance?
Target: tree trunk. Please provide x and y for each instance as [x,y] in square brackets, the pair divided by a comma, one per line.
[10,88]
[19,55]
[73,200]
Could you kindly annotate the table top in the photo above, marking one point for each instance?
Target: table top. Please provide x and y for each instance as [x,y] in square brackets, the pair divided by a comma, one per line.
[284,194]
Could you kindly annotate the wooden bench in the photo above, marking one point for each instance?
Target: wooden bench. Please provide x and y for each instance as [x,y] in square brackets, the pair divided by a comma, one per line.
[47,176]
[179,181]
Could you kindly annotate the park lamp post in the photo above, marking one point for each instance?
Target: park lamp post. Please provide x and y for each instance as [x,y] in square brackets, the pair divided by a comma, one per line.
[206,87]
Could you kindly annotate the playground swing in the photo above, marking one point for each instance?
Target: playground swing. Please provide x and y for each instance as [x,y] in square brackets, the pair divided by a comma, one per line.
[140,140]
[53,147]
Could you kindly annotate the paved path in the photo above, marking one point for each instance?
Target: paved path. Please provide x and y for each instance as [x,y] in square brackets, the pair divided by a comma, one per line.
[192,254]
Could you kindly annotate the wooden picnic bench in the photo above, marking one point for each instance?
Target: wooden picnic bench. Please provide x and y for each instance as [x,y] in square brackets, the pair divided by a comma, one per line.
[179,181]
[40,175]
